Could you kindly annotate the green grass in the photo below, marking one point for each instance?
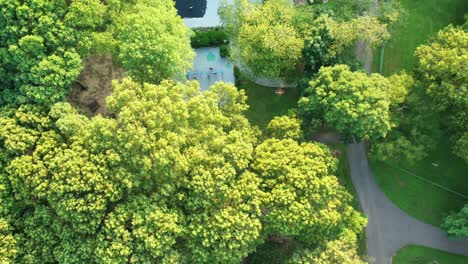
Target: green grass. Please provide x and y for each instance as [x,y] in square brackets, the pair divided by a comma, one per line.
[424,255]
[424,19]
[264,104]
[421,199]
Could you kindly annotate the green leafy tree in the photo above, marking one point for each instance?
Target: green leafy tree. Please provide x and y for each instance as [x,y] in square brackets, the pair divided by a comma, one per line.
[152,41]
[354,103]
[7,243]
[300,187]
[337,251]
[283,127]
[177,176]
[41,45]
[346,10]
[264,36]
[441,67]
[461,147]
[417,131]
[326,38]
[456,224]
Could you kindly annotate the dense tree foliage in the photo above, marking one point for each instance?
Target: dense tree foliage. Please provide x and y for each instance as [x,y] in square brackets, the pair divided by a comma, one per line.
[456,224]
[437,104]
[283,127]
[42,43]
[152,41]
[272,38]
[178,176]
[441,67]
[264,36]
[442,71]
[336,251]
[354,103]
[40,46]
[326,38]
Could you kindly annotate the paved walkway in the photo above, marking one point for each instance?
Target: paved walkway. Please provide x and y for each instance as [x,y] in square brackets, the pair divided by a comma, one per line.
[388,227]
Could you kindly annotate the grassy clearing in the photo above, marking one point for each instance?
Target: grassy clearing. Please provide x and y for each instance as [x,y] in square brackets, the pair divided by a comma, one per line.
[425,18]
[424,255]
[264,104]
[421,199]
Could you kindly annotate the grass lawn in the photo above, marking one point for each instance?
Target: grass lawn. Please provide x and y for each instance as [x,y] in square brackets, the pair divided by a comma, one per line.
[424,255]
[424,19]
[264,104]
[421,199]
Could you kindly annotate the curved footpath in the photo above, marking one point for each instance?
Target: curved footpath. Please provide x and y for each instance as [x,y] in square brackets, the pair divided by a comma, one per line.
[388,227]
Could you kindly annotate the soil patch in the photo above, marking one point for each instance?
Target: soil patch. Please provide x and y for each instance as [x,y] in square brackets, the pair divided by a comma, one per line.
[95,84]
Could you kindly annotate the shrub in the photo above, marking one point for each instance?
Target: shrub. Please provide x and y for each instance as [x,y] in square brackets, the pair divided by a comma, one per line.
[206,38]
[224,50]
[237,76]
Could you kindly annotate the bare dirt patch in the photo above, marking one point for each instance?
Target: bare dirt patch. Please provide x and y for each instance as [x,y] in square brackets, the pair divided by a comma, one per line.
[95,84]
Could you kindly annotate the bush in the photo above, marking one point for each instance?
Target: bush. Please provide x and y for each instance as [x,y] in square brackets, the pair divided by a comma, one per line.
[206,38]
[237,76]
[224,50]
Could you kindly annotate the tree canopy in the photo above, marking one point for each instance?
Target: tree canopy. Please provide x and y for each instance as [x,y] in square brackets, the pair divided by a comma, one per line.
[178,176]
[441,66]
[42,43]
[354,103]
[442,71]
[456,224]
[151,41]
[264,36]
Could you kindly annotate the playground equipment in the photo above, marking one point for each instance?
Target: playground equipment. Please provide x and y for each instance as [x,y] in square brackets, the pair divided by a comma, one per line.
[194,75]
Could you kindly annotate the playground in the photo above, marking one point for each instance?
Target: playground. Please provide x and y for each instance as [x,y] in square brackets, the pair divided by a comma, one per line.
[209,67]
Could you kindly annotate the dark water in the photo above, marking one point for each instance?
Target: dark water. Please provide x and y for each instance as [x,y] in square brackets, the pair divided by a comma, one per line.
[191,8]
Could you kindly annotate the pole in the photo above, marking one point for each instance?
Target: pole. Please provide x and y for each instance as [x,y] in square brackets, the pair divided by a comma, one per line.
[382,51]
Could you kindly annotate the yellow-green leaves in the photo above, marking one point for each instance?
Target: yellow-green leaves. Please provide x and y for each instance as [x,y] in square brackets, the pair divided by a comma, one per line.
[175,176]
[7,243]
[353,102]
[283,127]
[302,198]
[266,40]
[41,44]
[153,42]
[442,65]
[141,230]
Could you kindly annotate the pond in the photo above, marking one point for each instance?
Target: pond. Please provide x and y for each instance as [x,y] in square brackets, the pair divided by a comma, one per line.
[191,8]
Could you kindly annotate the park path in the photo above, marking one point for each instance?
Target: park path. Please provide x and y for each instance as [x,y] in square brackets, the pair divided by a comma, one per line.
[389,228]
